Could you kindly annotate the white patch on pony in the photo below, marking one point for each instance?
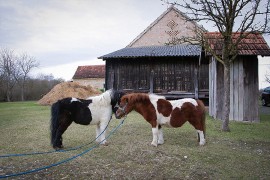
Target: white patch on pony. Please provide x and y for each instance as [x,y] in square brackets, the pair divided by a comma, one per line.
[154,98]
[179,103]
[160,118]
[101,111]
[74,100]
[202,139]
[102,99]
[101,108]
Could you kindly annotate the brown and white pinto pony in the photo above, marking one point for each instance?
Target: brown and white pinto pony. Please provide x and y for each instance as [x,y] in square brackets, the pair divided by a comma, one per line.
[158,111]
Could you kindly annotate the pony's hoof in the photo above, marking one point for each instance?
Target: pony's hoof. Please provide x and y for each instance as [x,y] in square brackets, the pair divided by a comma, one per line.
[57,148]
[160,142]
[202,143]
[105,144]
[154,144]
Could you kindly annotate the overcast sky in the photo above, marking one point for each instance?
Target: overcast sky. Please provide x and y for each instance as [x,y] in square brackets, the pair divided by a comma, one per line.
[65,34]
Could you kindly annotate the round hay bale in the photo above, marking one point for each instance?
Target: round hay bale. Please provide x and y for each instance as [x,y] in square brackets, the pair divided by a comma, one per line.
[68,89]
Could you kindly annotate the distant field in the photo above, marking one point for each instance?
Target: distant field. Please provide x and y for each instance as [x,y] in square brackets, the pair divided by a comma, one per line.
[243,153]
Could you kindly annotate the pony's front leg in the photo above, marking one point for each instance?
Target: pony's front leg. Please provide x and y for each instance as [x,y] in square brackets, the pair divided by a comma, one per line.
[98,133]
[160,136]
[101,134]
[201,137]
[155,136]
[58,141]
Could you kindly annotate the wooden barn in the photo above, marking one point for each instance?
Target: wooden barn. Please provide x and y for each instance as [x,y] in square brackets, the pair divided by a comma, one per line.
[172,71]
[153,63]
[244,87]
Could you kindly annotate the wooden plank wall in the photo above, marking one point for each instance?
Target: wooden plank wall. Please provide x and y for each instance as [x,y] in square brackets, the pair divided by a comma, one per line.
[244,89]
[251,89]
[169,74]
[212,88]
[220,92]
[236,90]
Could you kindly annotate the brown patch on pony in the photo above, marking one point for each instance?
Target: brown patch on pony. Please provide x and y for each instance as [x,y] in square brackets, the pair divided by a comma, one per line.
[164,107]
[178,117]
[195,115]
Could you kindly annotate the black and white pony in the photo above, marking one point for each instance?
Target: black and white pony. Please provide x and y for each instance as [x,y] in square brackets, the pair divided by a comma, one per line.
[96,110]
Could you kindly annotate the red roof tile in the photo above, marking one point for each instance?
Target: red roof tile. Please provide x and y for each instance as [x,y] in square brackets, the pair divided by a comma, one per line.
[253,44]
[95,71]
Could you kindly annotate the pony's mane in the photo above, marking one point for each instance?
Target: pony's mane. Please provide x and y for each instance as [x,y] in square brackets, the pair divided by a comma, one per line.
[102,99]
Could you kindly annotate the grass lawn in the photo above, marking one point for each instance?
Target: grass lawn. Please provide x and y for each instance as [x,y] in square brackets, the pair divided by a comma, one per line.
[243,153]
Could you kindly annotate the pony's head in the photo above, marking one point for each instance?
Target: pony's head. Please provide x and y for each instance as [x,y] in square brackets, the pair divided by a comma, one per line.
[115,99]
[129,102]
[122,108]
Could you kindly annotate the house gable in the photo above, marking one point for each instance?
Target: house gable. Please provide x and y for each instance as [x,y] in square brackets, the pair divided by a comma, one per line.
[90,75]
[166,29]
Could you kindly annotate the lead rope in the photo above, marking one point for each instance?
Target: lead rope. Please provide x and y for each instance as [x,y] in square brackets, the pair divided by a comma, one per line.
[65,160]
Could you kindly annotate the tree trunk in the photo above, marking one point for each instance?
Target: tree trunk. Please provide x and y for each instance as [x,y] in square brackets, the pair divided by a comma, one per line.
[8,96]
[8,92]
[22,93]
[226,104]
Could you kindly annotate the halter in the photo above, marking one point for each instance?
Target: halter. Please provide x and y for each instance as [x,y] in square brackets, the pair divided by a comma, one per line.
[122,109]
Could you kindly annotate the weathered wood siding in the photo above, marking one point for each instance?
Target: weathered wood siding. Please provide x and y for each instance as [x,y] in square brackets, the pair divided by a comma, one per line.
[243,88]
[251,89]
[169,74]
[212,87]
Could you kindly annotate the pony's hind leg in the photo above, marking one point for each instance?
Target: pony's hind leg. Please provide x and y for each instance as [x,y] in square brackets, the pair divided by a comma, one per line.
[58,141]
[201,137]
[199,126]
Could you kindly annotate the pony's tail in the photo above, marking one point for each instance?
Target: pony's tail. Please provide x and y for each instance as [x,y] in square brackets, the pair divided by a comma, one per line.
[54,120]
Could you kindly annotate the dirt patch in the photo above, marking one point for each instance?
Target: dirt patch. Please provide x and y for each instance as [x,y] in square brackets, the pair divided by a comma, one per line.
[68,89]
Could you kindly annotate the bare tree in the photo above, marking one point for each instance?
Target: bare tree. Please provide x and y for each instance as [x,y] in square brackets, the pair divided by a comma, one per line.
[7,69]
[25,64]
[14,69]
[228,16]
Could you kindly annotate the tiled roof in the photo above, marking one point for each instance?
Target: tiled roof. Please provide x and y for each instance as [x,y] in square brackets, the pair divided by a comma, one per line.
[95,71]
[155,51]
[252,44]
